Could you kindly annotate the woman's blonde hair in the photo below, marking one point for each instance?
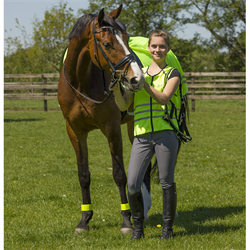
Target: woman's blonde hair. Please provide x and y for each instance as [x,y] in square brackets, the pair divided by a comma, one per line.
[160,33]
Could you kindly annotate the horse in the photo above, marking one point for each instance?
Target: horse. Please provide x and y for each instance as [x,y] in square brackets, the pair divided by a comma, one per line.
[98,54]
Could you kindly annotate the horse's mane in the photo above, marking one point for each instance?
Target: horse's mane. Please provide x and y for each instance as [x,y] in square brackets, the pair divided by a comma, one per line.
[80,25]
[83,21]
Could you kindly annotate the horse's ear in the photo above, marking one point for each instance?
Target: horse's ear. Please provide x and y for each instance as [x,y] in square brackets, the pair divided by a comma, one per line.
[101,16]
[115,13]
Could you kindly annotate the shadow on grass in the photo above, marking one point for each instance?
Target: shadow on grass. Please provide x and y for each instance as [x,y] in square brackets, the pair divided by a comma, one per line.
[200,220]
[23,120]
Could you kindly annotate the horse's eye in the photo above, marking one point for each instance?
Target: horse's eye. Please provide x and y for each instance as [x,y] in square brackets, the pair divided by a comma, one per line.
[107,46]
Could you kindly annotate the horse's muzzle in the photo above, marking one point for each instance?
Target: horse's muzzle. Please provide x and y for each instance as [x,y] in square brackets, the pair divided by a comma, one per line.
[133,85]
[136,85]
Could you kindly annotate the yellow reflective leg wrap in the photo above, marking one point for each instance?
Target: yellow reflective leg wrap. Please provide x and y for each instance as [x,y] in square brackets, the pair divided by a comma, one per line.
[125,206]
[87,207]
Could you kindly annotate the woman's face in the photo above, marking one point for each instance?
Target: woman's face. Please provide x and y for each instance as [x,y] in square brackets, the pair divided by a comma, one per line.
[158,49]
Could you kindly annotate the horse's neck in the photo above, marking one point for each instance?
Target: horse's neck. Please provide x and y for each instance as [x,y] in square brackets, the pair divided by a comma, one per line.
[76,56]
[83,74]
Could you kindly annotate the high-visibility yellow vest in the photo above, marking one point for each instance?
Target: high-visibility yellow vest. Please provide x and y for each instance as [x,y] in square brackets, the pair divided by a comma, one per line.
[148,114]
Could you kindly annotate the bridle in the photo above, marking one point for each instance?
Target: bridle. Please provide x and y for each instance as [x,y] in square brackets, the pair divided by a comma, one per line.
[128,59]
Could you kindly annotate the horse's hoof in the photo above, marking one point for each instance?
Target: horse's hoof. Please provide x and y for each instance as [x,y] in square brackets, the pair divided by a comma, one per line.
[80,230]
[126,230]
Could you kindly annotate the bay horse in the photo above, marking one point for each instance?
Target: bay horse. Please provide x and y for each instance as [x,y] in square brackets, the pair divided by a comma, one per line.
[98,53]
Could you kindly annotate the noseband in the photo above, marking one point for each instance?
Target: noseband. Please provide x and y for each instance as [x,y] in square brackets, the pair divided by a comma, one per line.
[128,59]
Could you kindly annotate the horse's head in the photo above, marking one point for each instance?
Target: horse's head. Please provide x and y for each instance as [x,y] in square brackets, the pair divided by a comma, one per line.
[109,50]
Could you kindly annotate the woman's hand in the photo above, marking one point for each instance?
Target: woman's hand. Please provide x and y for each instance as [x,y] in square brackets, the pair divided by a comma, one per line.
[163,97]
[115,88]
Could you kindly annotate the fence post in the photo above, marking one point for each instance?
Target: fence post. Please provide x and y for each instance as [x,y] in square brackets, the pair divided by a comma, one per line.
[193,92]
[45,107]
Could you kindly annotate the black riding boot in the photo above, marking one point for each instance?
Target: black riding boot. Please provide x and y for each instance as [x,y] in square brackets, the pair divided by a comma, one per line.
[137,210]
[169,210]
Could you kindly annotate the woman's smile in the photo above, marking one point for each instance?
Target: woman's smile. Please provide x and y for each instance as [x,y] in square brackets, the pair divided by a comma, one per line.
[158,48]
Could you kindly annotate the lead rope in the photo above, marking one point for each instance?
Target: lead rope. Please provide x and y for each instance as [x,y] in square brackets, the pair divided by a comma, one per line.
[182,136]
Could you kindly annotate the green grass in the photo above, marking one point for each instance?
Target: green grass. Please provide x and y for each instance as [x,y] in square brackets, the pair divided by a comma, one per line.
[30,105]
[42,196]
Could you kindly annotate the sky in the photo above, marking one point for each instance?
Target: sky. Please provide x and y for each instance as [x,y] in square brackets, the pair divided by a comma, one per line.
[26,10]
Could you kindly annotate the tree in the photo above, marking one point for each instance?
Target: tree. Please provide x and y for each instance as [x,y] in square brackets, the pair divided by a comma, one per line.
[41,52]
[225,19]
[51,34]
[20,57]
[140,16]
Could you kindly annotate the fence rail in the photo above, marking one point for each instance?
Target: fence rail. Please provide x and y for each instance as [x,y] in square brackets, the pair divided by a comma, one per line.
[215,85]
[201,85]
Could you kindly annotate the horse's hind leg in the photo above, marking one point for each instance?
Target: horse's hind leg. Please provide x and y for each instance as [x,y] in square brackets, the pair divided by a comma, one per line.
[113,134]
[80,146]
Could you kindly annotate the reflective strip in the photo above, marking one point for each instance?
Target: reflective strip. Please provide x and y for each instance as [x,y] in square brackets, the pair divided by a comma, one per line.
[154,103]
[136,113]
[155,110]
[144,118]
[87,207]
[145,111]
[175,108]
[125,206]
[147,104]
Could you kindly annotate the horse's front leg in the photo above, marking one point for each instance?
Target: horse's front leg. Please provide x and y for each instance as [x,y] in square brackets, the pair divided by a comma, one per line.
[113,134]
[80,145]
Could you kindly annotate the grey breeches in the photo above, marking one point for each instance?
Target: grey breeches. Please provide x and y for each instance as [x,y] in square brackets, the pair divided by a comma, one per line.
[162,143]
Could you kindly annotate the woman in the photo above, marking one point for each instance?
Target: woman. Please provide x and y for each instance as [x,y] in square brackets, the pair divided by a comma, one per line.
[153,135]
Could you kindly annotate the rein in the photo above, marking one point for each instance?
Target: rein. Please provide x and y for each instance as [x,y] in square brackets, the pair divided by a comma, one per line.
[88,98]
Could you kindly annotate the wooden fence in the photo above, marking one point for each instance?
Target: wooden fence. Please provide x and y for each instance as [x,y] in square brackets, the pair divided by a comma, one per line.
[202,86]
[215,85]
[31,87]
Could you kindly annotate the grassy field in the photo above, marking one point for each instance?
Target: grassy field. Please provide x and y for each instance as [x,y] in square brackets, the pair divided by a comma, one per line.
[42,196]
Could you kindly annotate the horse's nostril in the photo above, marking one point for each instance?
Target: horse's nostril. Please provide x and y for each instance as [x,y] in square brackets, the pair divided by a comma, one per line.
[133,81]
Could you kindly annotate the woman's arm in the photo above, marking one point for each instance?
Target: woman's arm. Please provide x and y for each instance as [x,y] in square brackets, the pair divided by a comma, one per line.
[123,101]
[163,97]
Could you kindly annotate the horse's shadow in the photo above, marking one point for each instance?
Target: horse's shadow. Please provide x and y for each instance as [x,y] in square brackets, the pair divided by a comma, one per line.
[193,222]
[22,120]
